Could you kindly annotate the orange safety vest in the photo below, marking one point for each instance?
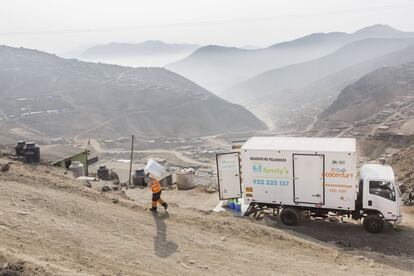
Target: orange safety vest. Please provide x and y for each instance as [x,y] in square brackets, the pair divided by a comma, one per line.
[155,186]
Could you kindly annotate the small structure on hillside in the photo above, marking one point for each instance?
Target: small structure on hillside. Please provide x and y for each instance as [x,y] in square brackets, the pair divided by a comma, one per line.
[64,155]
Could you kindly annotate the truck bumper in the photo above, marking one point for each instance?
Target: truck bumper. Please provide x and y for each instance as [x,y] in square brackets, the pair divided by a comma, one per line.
[399,220]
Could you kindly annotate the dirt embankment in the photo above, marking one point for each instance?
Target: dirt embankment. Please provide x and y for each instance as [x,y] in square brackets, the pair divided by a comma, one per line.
[53,225]
[402,162]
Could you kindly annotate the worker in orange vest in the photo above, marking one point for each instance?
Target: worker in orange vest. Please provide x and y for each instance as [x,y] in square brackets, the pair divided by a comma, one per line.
[156,194]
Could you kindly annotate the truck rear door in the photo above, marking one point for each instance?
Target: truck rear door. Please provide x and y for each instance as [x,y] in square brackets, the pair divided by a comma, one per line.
[308,178]
[228,174]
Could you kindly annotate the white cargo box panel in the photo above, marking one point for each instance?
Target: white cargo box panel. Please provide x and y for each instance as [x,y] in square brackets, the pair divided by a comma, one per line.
[313,172]
[228,173]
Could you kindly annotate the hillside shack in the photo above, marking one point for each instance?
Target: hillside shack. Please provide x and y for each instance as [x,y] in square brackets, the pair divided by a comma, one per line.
[64,155]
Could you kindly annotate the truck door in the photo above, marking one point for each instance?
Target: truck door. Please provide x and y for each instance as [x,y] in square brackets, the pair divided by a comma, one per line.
[309,178]
[228,174]
[383,196]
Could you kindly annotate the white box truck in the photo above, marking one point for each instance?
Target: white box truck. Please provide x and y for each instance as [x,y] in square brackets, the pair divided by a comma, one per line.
[311,176]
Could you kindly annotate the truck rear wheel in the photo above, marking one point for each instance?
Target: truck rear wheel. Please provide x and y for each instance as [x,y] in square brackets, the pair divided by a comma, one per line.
[289,216]
[373,224]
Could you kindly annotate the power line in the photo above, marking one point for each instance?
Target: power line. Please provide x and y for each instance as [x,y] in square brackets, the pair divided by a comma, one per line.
[199,23]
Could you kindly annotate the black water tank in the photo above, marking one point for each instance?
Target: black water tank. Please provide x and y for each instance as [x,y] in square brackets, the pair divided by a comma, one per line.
[19,147]
[31,153]
[138,178]
[103,173]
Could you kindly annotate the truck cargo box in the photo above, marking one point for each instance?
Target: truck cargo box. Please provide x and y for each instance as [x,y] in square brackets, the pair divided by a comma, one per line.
[312,172]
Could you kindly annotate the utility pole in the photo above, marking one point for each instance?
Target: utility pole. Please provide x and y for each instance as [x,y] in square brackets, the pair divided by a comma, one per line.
[130,161]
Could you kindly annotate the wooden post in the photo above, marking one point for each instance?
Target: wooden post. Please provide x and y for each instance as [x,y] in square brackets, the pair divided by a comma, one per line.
[130,161]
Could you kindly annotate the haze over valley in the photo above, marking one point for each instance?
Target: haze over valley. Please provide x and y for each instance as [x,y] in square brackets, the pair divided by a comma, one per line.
[207,137]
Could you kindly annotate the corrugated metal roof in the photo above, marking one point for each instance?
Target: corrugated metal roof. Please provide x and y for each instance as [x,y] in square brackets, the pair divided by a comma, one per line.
[56,153]
[301,144]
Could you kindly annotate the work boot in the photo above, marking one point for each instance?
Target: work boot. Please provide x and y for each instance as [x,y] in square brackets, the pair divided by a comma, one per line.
[153,209]
[165,205]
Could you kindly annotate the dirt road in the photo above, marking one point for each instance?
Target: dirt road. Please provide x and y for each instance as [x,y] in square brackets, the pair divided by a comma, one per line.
[97,147]
[55,226]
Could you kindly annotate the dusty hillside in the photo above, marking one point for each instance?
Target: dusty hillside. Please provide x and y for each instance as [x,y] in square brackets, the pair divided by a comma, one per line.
[402,162]
[64,98]
[375,92]
[52,225]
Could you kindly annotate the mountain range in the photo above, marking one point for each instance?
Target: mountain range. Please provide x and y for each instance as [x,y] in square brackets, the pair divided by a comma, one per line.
[147,53]
[59,97]
[217,68]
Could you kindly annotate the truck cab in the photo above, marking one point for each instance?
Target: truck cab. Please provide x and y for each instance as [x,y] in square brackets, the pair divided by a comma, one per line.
[379,196]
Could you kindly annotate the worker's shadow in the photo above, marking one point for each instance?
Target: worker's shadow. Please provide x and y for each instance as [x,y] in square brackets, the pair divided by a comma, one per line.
[162,247]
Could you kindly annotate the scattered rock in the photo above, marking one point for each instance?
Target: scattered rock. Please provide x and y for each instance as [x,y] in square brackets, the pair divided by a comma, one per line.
[105,189]
[12,269]
[23,213]
[203,267]
[184,265]
[115,200]
[367,248]
[114,176]
[88,184]
[344,244]
[344,268]
[5,167]
[223,239]
[210,190]
[115,181]
[116,188]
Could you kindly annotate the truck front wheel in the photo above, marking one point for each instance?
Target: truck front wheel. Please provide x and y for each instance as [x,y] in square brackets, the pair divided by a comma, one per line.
[289,216]
[373,224]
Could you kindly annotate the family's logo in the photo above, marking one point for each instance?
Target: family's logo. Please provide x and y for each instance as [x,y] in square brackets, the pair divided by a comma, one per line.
[257,168]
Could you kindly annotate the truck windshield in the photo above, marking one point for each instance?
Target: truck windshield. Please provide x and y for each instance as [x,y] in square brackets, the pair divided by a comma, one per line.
[383,189]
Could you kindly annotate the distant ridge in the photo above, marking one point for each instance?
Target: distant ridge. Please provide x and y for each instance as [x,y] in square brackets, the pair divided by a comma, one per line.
[218,68]
[66,98]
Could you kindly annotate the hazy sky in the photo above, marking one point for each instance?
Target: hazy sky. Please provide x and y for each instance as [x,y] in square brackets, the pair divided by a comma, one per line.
[63,25]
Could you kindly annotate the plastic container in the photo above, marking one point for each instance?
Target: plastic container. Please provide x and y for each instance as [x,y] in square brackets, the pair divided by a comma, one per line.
[232,204]
[185,179]
[155,169]
[237,206]
[77,169]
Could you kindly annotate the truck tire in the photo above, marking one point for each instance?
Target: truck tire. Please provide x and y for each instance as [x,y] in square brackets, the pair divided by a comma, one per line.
[373,224]
[289,216]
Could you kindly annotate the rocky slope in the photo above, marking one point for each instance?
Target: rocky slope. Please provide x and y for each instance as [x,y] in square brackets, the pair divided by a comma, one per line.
[59,97]
[375,92]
